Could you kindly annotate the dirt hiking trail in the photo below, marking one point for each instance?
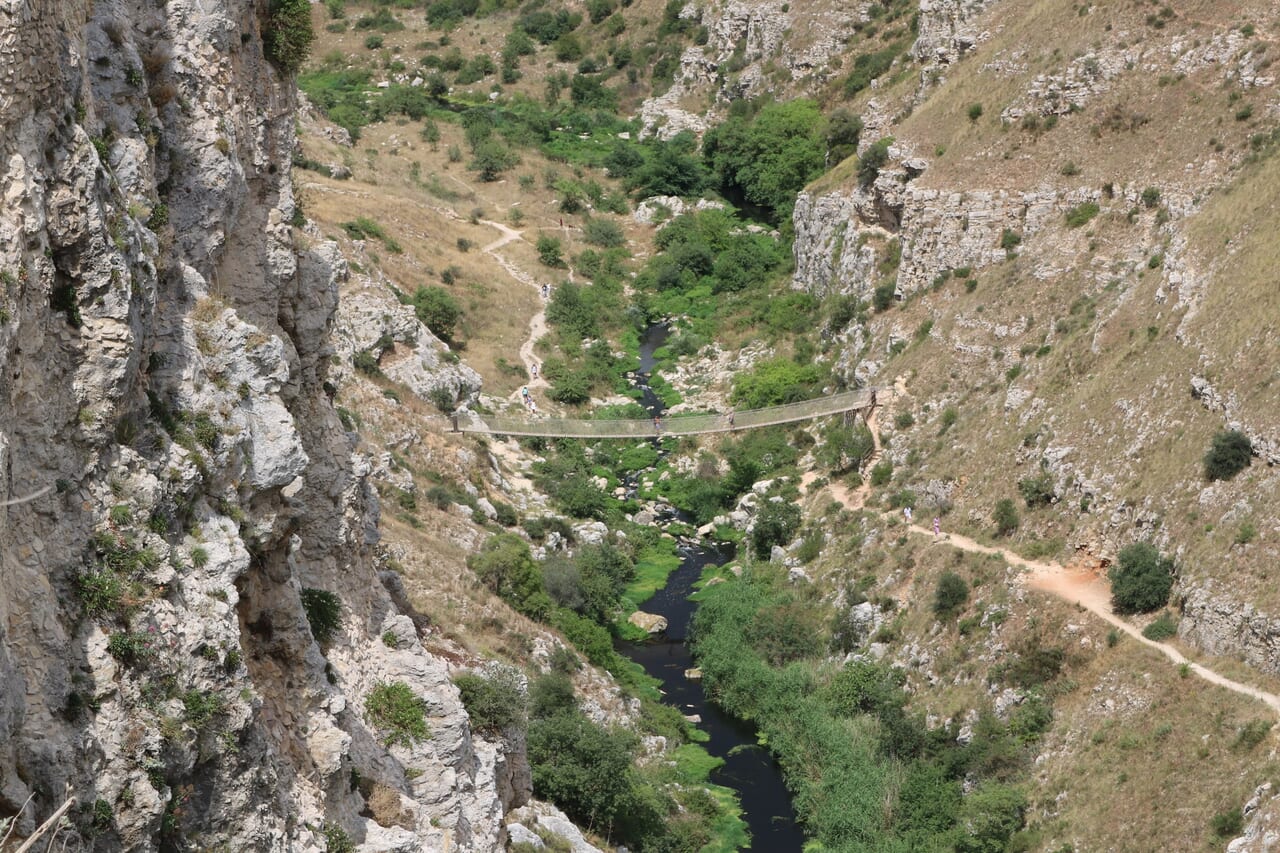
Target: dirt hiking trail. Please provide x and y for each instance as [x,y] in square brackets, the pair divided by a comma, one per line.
[538,322]
[1077,586]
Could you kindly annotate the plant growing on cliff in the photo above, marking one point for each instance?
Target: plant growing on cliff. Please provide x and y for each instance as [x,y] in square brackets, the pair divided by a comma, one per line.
[396,710]
[1140,579]
[324,613]
[288,35]
[494,701]
[1229,454]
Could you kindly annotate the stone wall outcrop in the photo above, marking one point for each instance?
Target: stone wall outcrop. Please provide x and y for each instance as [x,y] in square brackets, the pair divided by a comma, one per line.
[165,405]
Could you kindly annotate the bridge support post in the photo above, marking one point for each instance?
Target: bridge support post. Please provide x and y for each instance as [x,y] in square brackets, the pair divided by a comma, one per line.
[454,419]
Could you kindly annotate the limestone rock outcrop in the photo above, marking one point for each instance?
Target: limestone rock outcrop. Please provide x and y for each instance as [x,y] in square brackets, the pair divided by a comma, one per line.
[173,475]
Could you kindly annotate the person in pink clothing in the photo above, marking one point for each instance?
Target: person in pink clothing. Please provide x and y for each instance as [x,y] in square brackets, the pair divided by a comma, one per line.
[937,527]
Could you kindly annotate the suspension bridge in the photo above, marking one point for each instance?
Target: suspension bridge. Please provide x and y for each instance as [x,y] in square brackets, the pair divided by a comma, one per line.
[682,424]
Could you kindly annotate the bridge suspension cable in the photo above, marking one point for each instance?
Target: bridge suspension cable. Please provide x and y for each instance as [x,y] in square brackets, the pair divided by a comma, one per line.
[681,424]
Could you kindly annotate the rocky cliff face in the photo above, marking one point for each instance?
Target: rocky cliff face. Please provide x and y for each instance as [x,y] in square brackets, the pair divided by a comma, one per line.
[173,475]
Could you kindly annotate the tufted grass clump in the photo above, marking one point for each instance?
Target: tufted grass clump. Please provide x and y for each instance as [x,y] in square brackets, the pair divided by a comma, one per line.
[100,592]
[393,708]
[324,613]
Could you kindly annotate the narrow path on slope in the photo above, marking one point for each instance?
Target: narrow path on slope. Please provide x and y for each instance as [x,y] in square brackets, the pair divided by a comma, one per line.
[1084,588]
[1077,586]
[538,322]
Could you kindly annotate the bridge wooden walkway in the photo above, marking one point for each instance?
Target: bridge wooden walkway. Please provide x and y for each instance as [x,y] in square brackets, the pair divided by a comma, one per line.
[690,424]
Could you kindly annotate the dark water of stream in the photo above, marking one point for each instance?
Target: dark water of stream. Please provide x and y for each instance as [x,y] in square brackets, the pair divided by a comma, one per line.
[748,768]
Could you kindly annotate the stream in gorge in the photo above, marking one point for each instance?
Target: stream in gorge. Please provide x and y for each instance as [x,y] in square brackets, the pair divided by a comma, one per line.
[749,769]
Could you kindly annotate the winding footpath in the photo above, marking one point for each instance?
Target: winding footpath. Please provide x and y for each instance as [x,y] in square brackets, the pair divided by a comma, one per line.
[1077,586]
[538,322]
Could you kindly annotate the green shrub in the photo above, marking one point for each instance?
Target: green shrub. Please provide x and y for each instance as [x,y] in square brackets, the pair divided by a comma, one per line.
[1005,517]
[1081,214]
[873,160]
[550,252]
[200,707]
[324,613]
[336,839]
[1150,197]
[603,232]
[882,473]
[1251,734]
[1227,824]
[373,42]
[507,568]
[1009,240]
[950,595]
[974,112]
[495,701]
[775,524]
[1164,627]
[438,310]
[1230,453]
[1031,665]
[100,592]
[785,632]
[1030,719]
[1140,579]
[287,35]
[128,647]
[1037,490]
[883,296]
[775,381]
[393,708]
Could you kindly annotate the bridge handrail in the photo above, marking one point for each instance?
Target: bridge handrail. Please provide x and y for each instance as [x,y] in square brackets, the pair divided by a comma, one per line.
[693,423]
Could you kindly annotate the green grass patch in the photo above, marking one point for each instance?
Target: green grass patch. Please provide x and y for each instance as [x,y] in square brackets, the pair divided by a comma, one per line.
[653,566]
[694,764]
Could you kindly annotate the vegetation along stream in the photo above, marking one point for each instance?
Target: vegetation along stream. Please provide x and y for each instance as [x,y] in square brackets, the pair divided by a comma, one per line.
[748,769]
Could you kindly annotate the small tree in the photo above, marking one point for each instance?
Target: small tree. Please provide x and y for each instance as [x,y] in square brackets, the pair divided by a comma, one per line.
[1005,517]
[1141,579]
[436,309]
[1038,490]
[491,159]
[550,252]
[775,524]
[1230,453]
[951,594]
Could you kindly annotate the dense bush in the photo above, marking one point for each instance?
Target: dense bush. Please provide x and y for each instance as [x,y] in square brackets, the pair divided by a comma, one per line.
[324,613]
[845,447]
[873,160]
[1230,453]
[506,567]
[396,710]
[491,158]
[1005,517]
[950,595]
[774,381]
[785,632]
[287,35]
[603,232]
[1037,490]
[436,309]
[550,252]
[495,700]
[1164,627]
[1140,579]
[775,524]
[770,157]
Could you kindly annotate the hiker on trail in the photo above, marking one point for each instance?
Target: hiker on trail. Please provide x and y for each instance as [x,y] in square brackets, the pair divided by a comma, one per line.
[534,370]
[937,528]
[731,419]
[524,394]
[545,290]
[657,426]
[906,513]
